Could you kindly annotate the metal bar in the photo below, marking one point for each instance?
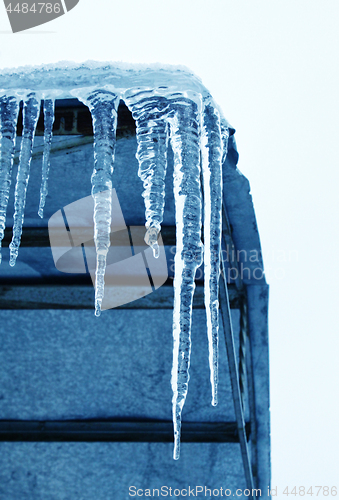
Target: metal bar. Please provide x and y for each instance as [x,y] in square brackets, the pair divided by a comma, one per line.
[95,431]
[251,401]
[230,248]
[40,296]
[224,301]
[237,378]
[242,350]
[38,237]
[228,331]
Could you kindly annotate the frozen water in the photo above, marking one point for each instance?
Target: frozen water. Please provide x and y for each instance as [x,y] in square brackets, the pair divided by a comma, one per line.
[63,78]
[30,117]
[48,121]
[103,105]
[211,153]
[185,140]
[9,108]
[153,114]
[168,104]
[149,112]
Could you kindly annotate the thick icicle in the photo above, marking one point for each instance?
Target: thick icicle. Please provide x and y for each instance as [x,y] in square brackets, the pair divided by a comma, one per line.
[49,120]
[184,132]
[211,152]
[9,108]
[152,136]
[31,113]
[103,105]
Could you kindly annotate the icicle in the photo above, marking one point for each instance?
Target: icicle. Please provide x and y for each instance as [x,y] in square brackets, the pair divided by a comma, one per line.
[103,105]
[225,133]
[31,112]
[184,132]
[49,120]
[167,102]
[152,136]
[211,151]
[9,108]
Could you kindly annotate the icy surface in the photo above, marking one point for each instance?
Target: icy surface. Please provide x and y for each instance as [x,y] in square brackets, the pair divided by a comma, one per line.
[212,185]
[149,112]
[9,108]
[48,120]
[103,105]
[167,103]
[185,143]
[31,113]
[62,78]
[181,116]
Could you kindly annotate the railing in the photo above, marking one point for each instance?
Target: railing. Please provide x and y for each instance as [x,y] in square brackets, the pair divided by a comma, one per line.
[39,294]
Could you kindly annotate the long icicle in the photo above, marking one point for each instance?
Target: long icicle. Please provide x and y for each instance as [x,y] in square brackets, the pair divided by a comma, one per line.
[152,136]
[9,109]
[103,105]
[211,153]
[48,133]
[184,133]
[31,113]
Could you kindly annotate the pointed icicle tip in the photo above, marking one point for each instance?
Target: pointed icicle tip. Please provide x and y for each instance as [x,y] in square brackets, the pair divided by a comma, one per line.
[48,133]
[156,250]
[150,113]
[97,309]
[151,238]
[12,260]
[176,450]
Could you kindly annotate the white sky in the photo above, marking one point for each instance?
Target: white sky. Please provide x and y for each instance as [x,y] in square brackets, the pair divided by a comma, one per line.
[272,65]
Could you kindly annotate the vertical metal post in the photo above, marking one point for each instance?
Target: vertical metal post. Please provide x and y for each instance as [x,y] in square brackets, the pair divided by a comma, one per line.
[251,398]
[232,362]
[242,350]
[228,331]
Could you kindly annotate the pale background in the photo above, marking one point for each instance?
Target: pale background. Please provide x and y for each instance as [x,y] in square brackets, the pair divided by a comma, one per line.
[273,67]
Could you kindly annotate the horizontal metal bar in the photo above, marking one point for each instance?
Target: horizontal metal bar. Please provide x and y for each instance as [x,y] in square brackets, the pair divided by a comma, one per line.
[147,432]
[40,296]
[38,237]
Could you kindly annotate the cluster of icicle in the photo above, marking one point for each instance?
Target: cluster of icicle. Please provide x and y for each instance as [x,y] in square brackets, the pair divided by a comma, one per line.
[191,122]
